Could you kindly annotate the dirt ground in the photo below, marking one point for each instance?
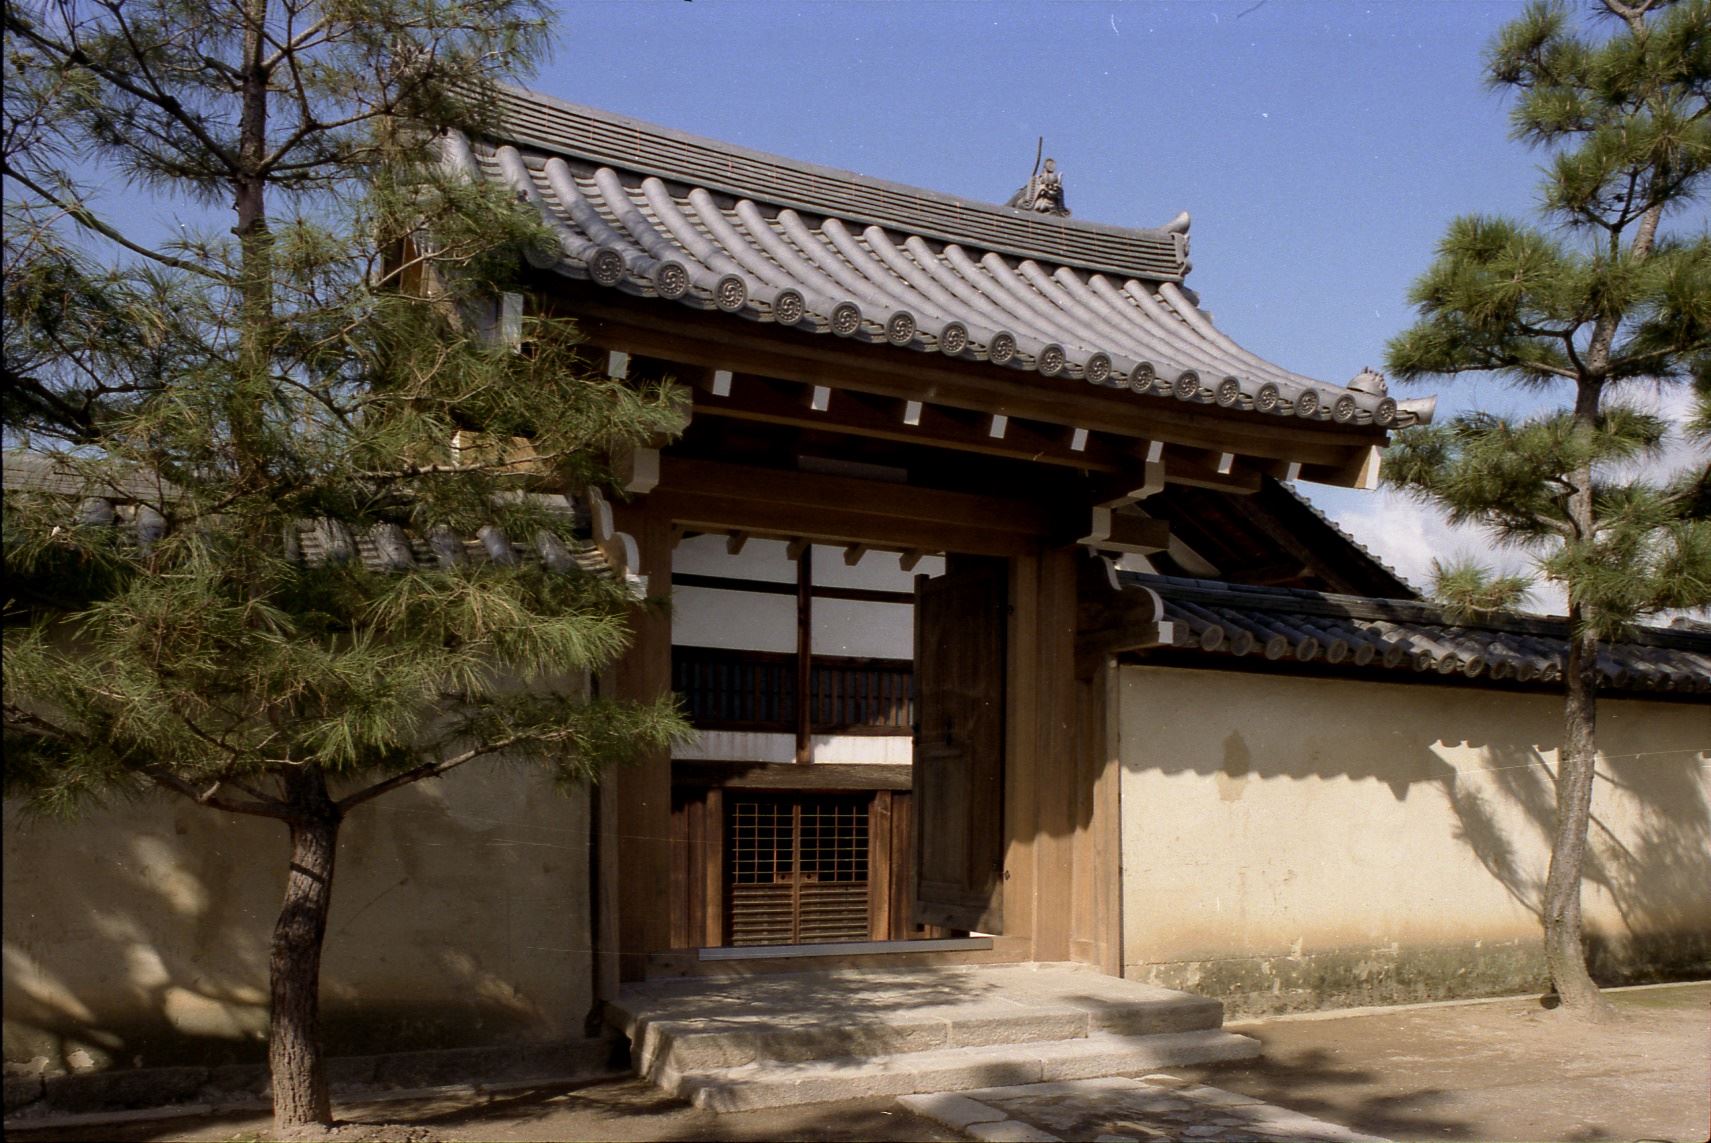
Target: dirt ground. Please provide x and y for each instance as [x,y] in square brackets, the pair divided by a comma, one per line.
[1507,1070]
[1504,1070]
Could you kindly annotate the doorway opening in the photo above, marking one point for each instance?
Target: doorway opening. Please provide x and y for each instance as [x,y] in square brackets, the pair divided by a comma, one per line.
[795,812]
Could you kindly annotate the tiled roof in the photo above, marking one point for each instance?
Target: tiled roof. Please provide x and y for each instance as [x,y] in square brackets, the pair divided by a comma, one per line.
[663,215]
[132,506]
[1396,638]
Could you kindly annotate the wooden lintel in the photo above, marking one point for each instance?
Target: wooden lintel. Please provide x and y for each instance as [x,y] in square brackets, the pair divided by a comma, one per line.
[767,401]
[1109,530]
[815,493]
[713,339]
[787,775]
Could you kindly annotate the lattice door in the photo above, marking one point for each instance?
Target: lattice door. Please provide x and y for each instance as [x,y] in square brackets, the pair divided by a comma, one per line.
[797,871]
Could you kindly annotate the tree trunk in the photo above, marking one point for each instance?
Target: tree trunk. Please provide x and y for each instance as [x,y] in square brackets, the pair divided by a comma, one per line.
[294,967]
[1565,953]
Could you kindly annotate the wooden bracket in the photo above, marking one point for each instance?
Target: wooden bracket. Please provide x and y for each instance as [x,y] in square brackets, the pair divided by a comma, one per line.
[637,470]
[1112,531]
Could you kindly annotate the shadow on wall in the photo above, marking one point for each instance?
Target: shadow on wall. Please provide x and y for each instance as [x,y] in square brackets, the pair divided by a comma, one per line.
[138,935]
[1491,757]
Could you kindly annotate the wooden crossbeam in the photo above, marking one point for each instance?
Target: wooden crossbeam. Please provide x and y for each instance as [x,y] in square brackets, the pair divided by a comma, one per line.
[815,507]
[911,421]
[713,340]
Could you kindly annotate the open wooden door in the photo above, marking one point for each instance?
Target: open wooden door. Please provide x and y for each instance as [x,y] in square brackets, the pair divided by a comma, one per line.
[960,666]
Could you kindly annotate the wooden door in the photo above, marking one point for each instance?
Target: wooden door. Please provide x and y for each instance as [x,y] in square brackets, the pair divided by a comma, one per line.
[960,666]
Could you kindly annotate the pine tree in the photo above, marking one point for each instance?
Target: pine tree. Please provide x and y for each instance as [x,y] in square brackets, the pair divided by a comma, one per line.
[1609,299]
[316,362]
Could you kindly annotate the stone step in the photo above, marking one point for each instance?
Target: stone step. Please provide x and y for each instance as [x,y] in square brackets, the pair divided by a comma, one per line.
[715,1036]
[771,1083]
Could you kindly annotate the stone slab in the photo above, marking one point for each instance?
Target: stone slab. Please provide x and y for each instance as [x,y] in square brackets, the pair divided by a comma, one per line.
[954,1111]
[1136,1110]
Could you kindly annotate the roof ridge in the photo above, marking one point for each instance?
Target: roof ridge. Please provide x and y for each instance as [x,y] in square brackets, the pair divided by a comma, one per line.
[537,119]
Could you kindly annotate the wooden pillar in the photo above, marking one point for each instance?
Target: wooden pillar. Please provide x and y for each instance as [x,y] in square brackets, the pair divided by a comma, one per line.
[1022,780]
[1057,827]
[804,654]
[1097,936]
[640,880]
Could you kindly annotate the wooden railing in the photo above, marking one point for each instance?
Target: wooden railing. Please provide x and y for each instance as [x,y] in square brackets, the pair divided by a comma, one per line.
[756,690]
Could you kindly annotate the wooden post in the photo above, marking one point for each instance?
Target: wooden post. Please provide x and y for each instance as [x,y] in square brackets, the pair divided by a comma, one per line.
[643,790]
[804,654]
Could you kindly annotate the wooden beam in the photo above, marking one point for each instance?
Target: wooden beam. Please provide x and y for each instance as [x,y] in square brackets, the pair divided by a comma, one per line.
[779,587]
[1210,468]
[795,549]
[853,554]
[734,542]
[788,776]
[907,561]
[710,496]
[715,340]
[767,401]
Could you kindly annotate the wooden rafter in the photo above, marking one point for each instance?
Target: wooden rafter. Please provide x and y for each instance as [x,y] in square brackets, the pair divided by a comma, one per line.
[1326,451]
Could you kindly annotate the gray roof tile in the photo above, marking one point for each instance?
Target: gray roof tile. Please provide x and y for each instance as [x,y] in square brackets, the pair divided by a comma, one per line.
[1410,637]
[660,214]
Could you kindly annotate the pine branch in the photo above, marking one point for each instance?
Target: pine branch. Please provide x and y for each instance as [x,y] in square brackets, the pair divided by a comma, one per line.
[436,769]
[87,219]
[212,797]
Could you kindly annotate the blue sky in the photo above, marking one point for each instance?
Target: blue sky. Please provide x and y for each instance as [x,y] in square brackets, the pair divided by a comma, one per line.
[1322,146]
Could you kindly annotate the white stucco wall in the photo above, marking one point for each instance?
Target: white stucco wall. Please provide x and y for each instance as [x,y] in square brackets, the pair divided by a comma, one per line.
[139,935]
[1293,842]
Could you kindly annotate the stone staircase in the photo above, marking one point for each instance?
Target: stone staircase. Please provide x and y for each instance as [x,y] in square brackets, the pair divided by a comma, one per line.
[740,1043]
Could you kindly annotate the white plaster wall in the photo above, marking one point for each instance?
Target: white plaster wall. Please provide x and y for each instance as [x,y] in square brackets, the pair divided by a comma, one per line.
[711,617]
[756,746]
[139,934]
[1268,816]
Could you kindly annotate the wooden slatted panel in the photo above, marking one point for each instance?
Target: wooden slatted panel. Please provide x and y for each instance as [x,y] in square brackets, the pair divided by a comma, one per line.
[755,690]
[798,867]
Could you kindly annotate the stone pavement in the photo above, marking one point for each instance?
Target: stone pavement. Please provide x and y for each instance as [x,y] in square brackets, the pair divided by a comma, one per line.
[1120,1110]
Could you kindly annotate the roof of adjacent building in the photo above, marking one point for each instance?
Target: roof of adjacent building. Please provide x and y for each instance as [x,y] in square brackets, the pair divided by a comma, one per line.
[663,215]
[1396,638]
[136,507]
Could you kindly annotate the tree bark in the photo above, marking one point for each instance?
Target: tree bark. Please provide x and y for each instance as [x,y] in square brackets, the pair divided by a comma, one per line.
[1565,953]
[294,967]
